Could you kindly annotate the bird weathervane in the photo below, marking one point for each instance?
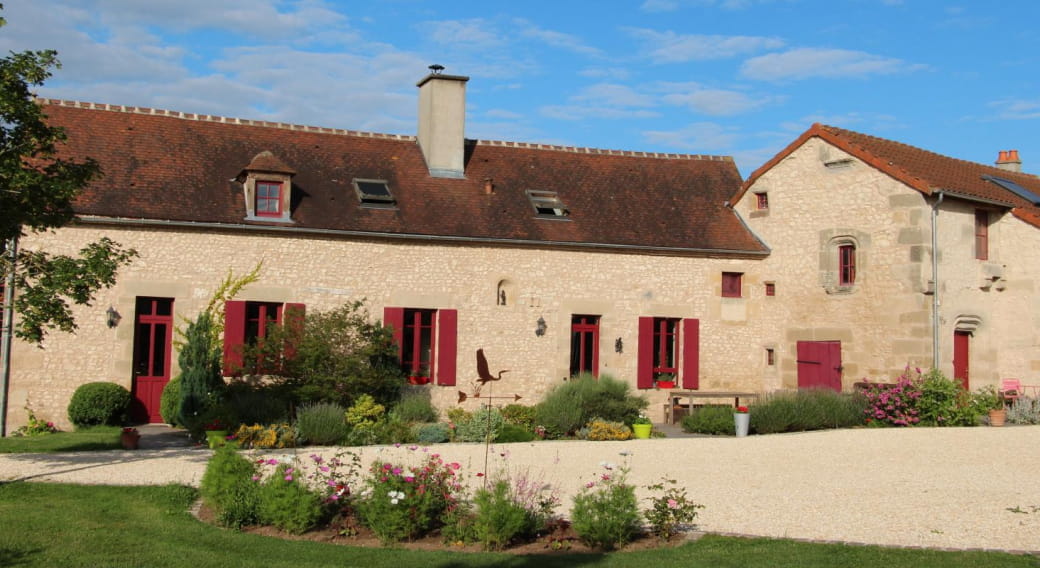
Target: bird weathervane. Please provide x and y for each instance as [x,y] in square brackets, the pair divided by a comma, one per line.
[484,377]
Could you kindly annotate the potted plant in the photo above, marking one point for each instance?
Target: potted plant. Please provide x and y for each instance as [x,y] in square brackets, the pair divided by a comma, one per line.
[216,433]
[129,438]
[989,400]
[641,427]
[741,420]
[665,381]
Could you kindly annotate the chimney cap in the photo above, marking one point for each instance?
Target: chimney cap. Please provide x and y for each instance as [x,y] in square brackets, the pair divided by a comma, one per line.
[436,68]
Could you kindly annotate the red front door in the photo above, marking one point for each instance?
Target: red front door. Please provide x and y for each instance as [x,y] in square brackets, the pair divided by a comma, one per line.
[819,364]
[961,347]
[153,332]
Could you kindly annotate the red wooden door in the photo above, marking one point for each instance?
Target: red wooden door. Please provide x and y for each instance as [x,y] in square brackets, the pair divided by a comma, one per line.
[819,364]
[153,334]
[961,348]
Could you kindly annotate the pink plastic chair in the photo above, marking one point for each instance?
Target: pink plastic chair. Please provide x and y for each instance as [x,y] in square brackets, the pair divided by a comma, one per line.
[1010,389]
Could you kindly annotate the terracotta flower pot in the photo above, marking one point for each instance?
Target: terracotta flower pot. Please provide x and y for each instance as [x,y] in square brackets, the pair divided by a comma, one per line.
[997,417]
[129,440]
[666,384]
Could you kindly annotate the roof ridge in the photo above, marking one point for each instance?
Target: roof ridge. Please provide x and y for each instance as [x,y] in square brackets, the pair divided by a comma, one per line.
[602,151]
[221,119]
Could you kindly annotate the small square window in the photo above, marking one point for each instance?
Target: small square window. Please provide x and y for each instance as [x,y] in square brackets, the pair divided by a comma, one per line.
[268,199]
[731,284]
[770,289]
[770,357]
[547,205]
[374,193]
[762,200]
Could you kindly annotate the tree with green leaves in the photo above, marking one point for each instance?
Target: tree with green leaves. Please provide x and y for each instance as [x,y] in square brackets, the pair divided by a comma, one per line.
[37,189]
[201,382]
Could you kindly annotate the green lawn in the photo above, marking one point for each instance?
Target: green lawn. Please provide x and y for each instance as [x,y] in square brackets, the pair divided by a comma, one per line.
[85,440]
[77,525]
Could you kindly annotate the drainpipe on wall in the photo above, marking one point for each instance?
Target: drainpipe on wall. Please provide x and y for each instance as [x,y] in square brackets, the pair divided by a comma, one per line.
[935,280]
[5,335]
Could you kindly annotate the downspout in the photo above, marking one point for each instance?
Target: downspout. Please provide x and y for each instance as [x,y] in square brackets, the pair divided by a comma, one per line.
[935,280]
[5,334]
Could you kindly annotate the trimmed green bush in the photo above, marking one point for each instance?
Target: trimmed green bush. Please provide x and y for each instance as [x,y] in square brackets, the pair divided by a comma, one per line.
[520,415]
[227,486]
[321,423]
[414,407]
[714,419]
[95,404]
[510,433]
[436,433]
[170,401]
[810,409]
[571,405]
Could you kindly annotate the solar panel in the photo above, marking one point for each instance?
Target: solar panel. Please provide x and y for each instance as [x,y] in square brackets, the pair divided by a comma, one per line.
[1014,188]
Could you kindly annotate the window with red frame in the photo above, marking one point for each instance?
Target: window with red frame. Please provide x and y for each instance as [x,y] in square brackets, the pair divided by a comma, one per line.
[268,199]
[248,323]
[770,288]
[584,345]
[426,340]
[731,284]
[846,265]
[668,346]
[981,234]
[762,200]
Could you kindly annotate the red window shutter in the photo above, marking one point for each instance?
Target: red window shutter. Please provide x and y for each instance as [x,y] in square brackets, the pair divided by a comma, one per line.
[234,336]
[447,346]
[691,352]
[394,319]
[293,319]
[645,355]
[981,234]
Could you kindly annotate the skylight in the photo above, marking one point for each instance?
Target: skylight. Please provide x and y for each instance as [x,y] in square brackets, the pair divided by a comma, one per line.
[1014,188]
[374,193]
[546,204]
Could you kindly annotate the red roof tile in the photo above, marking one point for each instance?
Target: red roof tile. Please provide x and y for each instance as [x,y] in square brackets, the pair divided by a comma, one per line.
[160,165]
[922,170]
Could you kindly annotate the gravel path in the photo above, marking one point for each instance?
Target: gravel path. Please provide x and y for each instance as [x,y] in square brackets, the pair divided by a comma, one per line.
[932,487]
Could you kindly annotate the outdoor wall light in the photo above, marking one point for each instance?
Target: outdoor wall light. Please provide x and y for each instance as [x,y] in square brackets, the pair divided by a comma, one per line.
[112,317]
[619,346]
[539,328]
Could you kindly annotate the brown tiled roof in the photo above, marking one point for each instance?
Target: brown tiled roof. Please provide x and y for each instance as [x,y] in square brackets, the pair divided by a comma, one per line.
[160,165]
[922,170]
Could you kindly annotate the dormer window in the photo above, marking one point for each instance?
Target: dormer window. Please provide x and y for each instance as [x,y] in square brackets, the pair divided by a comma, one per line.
[547,205]
[267,188]
[374,193]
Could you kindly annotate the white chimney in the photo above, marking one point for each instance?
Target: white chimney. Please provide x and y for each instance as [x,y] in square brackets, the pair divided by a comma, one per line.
[442,121]
[1008,160]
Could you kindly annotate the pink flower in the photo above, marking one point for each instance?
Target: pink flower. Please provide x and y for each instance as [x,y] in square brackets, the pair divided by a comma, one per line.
[673,504]
[272,461]
[388,466]
[590,485]
[409,479]
[288,477]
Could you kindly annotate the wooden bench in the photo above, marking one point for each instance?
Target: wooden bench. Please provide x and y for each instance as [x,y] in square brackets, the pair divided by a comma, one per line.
[675,407]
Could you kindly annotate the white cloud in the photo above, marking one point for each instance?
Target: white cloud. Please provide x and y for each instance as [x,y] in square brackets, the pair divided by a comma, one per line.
[804,63]
[474,33]
[612,94]
[1016,109]
[557,39]
[670,47]
[717,102]
[699,137]
[581,112]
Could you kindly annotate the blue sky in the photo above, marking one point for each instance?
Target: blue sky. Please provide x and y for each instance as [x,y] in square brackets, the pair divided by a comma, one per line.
[725,77]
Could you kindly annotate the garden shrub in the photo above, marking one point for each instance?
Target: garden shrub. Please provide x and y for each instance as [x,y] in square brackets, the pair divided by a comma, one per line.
[264,437]
[321,423]
[100,403]
[202,385]
[520,415]
[483,425]
[670,510]
[510,433]
[435,433]
[394,431]
[170,400]
[246,404]
[807,409]
[228,487]
[500,518]
[459,524]
[414,406]
[606,514]
[458,415]
[944,402]
[714,419]
[287,504]
[599,430]
[1024,411]
[408,503]
[572,404]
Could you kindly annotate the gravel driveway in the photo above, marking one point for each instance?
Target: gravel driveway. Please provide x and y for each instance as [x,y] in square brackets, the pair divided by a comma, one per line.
[932,487]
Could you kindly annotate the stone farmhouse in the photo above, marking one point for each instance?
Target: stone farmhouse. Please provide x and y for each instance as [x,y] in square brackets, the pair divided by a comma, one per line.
[816,271]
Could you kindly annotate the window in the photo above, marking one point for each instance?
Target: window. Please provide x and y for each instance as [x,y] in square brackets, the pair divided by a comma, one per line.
[846,265]
[248,323]
[762,200]
[981,234]
[268,199]
[547,205]
[668,346]
[770,289]
[584,345]
[731,284]
[426,340]
[374,193]
[770,356]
